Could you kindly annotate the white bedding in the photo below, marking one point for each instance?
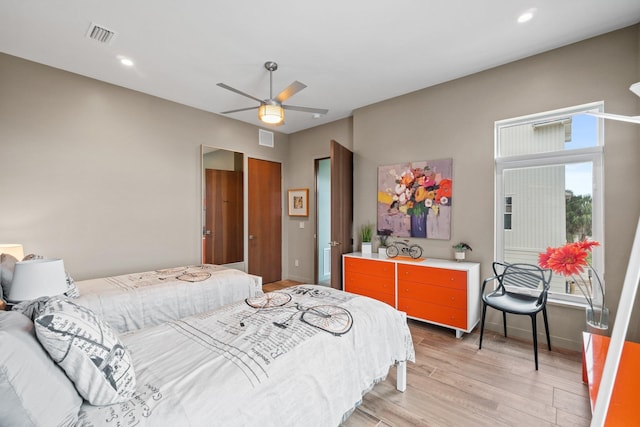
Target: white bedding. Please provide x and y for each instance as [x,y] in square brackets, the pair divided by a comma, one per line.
[208,370]
[134,301]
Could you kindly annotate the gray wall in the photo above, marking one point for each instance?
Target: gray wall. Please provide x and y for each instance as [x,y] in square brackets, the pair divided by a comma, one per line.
[104,177]
[109,179]
[455,120]
[304,148]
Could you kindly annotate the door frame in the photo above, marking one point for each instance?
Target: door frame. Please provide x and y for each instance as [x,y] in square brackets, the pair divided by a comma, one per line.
[204,149]
[316,252]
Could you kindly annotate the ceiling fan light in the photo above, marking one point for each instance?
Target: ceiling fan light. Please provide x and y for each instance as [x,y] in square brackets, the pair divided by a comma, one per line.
[272,114]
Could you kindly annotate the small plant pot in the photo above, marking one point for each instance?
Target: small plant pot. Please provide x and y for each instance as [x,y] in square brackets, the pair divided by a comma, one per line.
[459,256]
[382,252]
[366,248]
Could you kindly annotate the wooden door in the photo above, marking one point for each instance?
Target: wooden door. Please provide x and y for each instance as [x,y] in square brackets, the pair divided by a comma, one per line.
[341,209]
[223,217]
[265,220]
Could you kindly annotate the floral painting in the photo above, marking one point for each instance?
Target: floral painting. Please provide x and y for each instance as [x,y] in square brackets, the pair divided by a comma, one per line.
[415,198]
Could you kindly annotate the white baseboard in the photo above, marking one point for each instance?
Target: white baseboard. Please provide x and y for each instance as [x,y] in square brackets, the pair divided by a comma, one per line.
[525,334]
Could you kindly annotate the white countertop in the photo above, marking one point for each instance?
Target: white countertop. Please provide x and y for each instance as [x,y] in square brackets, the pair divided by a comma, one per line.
[427,262]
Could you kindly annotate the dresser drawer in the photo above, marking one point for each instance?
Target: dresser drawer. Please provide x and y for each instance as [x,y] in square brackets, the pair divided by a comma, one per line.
[440,295]
[370,267]
[433,276]
[381,292]
[441,314]
[364,281]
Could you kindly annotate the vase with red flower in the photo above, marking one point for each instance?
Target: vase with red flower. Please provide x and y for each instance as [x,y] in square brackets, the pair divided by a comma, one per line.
[598,317]
[571,261]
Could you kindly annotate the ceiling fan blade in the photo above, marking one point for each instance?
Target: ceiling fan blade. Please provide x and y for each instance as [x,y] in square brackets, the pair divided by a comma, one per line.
[239,92]
[290,90]
[619,117]
[306,109]
[239,109]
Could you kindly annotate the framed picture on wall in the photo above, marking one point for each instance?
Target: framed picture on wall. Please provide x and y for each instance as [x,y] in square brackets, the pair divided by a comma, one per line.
[415,199]
[299,202]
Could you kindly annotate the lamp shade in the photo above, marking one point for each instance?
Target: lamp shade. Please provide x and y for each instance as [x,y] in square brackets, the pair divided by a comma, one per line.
[37,278]
[14,249]
[272,114]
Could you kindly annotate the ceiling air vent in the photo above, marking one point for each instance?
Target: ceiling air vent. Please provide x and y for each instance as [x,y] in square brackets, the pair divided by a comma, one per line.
[100,34]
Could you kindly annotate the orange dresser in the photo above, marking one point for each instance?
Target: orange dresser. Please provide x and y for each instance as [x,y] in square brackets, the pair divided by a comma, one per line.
[443,292]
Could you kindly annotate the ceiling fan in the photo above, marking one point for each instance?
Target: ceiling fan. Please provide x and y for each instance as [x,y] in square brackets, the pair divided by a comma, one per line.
[271,110]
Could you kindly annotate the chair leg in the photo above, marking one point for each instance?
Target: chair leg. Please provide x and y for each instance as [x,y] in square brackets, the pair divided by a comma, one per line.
[504,322]
[484,313]
[535,339]
[546,327]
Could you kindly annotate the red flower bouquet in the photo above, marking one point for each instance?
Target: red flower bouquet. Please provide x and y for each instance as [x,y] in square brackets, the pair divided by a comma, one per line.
[570,260]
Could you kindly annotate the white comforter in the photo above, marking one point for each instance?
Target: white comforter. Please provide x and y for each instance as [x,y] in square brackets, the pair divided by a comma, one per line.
[134,301]
[208,370]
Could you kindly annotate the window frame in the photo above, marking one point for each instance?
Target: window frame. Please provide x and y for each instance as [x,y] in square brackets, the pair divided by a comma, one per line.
[595,155]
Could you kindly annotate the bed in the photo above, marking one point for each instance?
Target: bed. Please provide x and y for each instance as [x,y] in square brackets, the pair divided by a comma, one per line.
[134,301]
[305,355]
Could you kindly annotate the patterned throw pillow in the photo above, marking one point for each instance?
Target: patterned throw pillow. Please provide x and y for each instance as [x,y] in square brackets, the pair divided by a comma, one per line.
[72,290]
[88,350]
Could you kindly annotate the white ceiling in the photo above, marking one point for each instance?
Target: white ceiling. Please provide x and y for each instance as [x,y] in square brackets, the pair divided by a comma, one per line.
[350,53]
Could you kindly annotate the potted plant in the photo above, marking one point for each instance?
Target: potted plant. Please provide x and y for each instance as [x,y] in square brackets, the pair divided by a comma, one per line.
[461,250]
[383,236]
[365,237]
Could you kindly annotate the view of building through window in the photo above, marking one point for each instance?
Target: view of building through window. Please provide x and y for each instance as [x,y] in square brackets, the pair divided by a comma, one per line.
[546,174]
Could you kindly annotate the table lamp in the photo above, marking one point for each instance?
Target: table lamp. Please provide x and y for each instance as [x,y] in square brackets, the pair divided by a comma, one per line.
[37,278]
[14,249]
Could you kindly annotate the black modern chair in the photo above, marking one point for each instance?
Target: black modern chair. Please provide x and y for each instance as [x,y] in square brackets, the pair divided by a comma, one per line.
[520,289]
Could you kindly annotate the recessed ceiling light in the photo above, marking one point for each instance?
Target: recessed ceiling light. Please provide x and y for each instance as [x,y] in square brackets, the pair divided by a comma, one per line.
[526,16]
[126,62]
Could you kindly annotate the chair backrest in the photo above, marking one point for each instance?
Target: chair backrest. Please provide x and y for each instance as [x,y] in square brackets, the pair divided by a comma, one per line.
[523,278]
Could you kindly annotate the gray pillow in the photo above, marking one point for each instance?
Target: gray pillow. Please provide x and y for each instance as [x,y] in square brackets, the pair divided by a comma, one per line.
[7,263]
[88,350]
[34,391]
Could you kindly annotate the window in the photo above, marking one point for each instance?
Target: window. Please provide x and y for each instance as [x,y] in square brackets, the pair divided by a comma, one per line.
[549,187]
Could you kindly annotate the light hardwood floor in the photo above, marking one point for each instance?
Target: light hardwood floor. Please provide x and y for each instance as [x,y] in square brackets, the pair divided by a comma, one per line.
[453,383]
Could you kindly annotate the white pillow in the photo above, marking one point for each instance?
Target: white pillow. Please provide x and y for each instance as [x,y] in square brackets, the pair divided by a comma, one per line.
[34,391]
[88,350]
